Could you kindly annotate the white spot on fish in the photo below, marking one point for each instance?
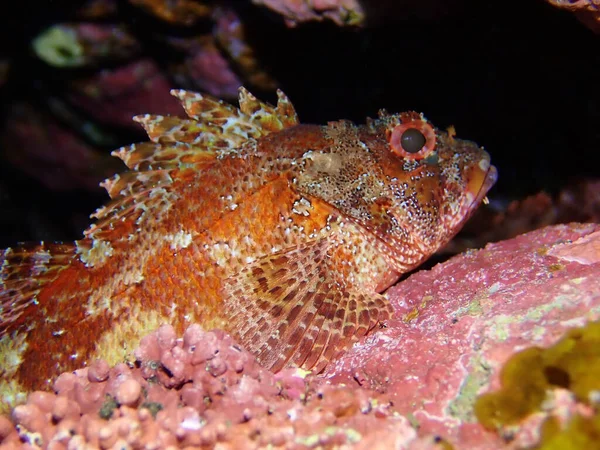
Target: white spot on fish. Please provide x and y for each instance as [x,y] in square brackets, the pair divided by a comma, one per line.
[98,254]
[179,240]
[302,207]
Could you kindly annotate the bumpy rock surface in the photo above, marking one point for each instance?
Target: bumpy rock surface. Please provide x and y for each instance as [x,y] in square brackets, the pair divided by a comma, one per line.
[457,324]
[342,12]
[199,392]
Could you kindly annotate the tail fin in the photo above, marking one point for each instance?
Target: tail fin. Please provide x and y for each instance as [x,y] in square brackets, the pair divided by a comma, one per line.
[24,271]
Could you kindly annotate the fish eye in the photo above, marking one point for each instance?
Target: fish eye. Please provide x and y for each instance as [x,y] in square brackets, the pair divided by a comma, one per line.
[413,139]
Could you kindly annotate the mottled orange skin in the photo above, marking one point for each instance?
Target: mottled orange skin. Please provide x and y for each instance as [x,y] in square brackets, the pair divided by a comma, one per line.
[284,240]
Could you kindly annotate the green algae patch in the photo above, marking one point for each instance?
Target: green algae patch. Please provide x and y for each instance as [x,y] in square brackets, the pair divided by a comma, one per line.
[109,405]
[580,433]
[414,313]
[473,308]
[523,390]
[462,406]
[573,363]
[153,407]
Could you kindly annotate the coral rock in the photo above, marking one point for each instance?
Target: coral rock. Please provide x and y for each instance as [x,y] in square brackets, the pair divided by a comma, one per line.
[457,324]
[114,96]
[180,12]
[342,12]
[204,67]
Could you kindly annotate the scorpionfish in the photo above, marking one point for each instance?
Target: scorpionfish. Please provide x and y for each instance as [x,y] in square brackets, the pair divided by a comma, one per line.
[283,234]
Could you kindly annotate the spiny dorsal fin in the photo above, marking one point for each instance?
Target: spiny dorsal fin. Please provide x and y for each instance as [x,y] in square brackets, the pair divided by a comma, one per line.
[266,116]
[24,270]
[214,127]
[177,148]
[288,310]
[253,119]
[133,195]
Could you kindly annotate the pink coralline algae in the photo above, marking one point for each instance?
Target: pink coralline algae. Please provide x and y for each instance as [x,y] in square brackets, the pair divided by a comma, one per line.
[342,12]
[114,96]
[197,392]
[457,324]
[410,385]
[204,66]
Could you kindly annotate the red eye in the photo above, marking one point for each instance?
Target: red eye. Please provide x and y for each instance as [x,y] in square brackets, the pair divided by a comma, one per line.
[413,139]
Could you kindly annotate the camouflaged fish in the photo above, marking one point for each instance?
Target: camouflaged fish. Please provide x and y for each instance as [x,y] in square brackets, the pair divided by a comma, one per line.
[281,233]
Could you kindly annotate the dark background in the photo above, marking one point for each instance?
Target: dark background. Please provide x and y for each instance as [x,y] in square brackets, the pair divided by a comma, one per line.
[520,78]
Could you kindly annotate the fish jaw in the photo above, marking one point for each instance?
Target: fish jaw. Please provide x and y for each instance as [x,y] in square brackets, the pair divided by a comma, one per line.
[479,178]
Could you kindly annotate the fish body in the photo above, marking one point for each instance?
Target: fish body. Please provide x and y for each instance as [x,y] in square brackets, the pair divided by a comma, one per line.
[284,234]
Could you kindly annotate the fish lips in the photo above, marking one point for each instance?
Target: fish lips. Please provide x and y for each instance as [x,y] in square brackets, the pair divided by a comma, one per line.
[490,178]
[480,178]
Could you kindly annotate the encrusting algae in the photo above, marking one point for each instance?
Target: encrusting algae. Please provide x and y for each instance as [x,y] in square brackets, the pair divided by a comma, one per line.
[283,234]
[573,363]
[207,393]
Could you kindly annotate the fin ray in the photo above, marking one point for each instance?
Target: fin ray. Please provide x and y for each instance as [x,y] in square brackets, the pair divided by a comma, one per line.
[24,271]
[288,309]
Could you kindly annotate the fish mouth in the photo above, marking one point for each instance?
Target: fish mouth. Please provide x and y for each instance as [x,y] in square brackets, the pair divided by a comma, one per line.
[483,179]
[480,178]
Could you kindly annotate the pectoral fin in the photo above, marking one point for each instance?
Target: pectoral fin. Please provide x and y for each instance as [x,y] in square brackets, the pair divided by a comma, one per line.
[289,309]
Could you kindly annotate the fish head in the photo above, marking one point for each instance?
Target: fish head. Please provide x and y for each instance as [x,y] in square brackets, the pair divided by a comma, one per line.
[407,183]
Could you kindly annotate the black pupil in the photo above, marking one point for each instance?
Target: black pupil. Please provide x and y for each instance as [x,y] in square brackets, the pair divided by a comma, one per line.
[412,140]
